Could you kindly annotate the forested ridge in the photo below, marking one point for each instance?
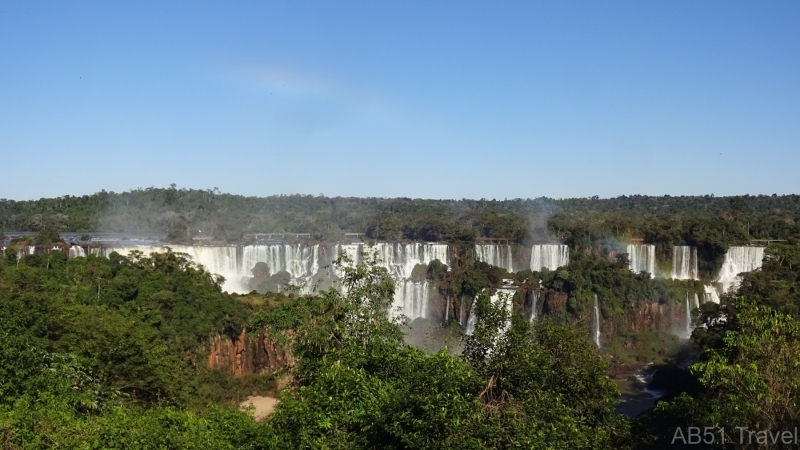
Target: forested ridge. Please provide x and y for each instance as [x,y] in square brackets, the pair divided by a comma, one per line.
[185,213]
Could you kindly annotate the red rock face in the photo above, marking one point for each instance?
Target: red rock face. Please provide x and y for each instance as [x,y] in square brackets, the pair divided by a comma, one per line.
[253,353]
[555,304]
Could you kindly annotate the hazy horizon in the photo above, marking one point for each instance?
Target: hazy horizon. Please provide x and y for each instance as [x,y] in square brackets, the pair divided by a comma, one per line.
[403,197]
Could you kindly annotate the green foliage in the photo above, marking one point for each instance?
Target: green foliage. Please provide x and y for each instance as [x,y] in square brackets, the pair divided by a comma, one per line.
[133,323]
[777,284]
[641,347]
[103,353]
[357,385]
[46,235]
[752,379]
[618,289]
[707,222]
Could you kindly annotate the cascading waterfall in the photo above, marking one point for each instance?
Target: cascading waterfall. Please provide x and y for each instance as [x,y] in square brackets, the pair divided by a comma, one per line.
[222,260]
[534,305]
[696,301]
[738,260]
[411,299]
[684,262]
[462,314]
[596,323]
[472,321]
[351,251]
[305,263]
[498,255]
[300,261]
[399,259]
[689,326]
[23,252]
[76,251]
[501,297]
[710,294]
[549,256]
[642,258]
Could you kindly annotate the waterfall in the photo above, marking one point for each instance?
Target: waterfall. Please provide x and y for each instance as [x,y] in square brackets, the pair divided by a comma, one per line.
[549,256]
[472,321]
[412,299]
[696,301]
[501,297]
[710,294]
[738,260]
[352,251]
[223,260]
[534,305]
[23,252]
[398,259]
[76,251]
[495,254]
[642,258]
[684,262]
[596,323]
[300,261]
[462,318]
[689,326]
[304,263]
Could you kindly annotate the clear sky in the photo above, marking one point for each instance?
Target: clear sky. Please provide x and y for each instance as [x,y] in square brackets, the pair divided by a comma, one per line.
[415,99]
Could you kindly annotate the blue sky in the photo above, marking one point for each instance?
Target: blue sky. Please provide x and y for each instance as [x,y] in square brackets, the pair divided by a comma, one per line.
[414,99]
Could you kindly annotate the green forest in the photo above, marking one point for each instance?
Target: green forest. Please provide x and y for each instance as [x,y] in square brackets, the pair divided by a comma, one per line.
[705,221]
[589,225]
[109,353]
[113,352]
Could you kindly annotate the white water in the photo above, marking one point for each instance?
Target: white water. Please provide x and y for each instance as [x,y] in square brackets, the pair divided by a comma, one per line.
[684,263]
[495,254]
[462,314]
[411,299]
[534,304]
[642,258]
[472,321]
[738,260]
[76,251]
[504,298]
[596,323]
[689,327]
[225,261]
[23,252]
[501,297]
[710,294]
[549,256]
[306,262]
[400,259]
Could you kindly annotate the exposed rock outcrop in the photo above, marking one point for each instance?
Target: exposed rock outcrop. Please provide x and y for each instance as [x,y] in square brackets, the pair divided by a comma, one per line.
[249,353]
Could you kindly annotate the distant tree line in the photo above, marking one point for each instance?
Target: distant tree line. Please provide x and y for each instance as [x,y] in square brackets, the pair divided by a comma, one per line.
[708,222]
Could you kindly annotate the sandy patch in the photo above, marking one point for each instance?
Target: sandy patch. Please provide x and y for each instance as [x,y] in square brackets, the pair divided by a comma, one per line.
[264,405]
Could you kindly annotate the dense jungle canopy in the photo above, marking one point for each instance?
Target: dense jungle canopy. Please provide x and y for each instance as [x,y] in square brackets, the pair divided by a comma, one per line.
[186,213]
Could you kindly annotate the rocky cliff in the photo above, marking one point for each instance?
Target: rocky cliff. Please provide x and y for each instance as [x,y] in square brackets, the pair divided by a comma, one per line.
[249,353]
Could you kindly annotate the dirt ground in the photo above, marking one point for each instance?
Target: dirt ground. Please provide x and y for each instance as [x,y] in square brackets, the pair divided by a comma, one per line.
[264,405]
